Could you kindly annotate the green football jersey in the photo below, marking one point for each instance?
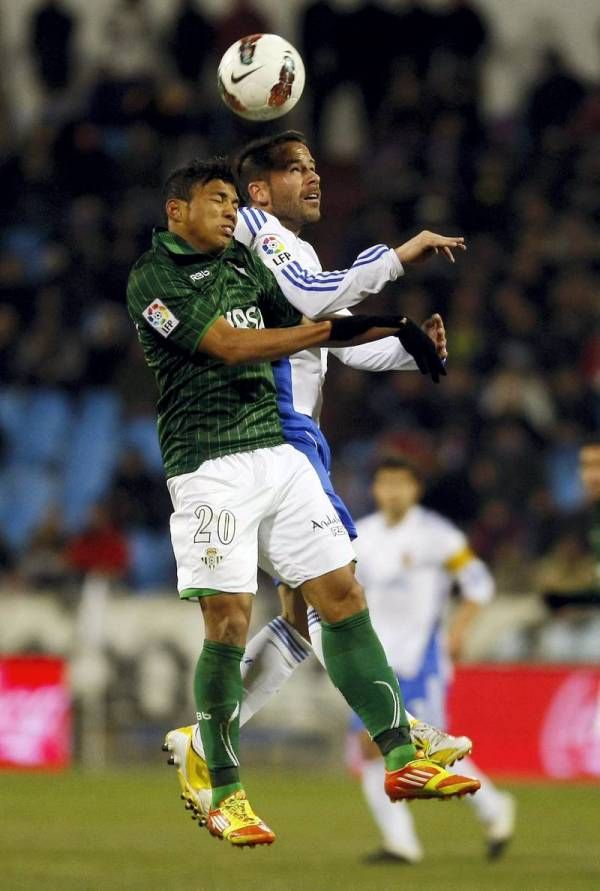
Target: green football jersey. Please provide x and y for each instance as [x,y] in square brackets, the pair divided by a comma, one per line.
[206,408]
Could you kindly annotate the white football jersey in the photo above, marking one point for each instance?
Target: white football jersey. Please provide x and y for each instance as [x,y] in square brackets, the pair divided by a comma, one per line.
[314,293]
[407,571]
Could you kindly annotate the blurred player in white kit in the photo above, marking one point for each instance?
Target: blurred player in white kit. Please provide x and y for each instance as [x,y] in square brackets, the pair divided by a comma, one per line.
[409,558]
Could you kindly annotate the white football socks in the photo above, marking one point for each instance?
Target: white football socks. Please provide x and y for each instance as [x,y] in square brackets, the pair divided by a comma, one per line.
[488,800]
[271,657]
[395,821]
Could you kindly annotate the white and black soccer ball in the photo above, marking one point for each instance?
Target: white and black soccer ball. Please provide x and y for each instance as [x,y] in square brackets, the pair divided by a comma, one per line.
[261,77]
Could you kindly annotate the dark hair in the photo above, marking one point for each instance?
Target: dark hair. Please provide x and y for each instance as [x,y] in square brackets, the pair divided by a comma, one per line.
[260,156]
[396,462]
[180,183]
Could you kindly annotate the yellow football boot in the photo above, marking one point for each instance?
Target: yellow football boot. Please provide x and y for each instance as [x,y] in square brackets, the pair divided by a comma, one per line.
[235,821]
[443,748]
[422,778]
[192,772]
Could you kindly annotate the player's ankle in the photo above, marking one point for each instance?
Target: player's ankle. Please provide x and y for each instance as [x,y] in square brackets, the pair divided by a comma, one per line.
[399,756]
[219,793]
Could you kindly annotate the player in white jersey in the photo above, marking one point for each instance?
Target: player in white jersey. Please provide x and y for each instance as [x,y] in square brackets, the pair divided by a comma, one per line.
[409,558]
[278,178]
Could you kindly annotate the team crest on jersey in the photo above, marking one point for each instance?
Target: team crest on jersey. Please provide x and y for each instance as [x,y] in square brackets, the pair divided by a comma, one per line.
[271,245]
[211,558]
[160,318]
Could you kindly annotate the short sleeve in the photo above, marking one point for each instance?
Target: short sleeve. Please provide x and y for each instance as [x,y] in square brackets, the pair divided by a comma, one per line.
[161,302]
[451,545]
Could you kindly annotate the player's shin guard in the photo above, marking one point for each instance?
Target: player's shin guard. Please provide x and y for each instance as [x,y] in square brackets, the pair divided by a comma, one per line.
[218,690]
[357,665]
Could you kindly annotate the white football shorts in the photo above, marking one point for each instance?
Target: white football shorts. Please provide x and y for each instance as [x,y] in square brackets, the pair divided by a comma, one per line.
[261,508]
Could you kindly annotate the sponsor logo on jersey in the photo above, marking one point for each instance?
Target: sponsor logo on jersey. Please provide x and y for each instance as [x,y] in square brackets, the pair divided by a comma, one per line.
[160,318]
[251,317]
[331,523]
[197,276]
[211,558]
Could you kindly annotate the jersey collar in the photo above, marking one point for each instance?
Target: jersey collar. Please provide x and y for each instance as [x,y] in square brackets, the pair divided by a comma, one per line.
[177,246]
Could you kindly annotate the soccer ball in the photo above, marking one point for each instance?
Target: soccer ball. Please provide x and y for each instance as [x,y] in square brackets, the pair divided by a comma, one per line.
[261,77]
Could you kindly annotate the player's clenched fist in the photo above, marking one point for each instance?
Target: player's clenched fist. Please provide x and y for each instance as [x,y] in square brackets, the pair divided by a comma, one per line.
[426,244]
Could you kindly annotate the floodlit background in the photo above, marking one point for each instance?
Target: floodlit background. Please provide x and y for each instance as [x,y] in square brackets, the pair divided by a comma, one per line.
[481,119]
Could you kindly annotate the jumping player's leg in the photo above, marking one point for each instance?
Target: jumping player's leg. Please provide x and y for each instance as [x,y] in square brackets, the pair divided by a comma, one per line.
[214,531]
[218,687]
[357,664]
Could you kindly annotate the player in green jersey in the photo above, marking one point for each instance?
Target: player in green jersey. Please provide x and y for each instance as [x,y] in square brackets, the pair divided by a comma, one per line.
[211,318]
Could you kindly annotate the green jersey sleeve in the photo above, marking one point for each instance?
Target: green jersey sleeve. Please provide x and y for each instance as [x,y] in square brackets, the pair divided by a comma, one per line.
[160,300]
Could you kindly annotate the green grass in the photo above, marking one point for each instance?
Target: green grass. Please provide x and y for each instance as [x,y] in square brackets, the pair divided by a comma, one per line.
[128,830]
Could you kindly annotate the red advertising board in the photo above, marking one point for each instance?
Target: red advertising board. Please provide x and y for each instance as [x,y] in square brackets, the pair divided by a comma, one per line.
[530,721]
[35,713]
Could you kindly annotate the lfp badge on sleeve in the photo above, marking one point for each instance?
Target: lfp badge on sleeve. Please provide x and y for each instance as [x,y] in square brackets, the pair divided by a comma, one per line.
[35,713]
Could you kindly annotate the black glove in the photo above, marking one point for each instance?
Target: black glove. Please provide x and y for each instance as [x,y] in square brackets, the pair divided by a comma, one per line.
[348,327]
[422,349]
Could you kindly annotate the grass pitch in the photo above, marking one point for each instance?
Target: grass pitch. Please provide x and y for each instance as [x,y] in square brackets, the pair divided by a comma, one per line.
[128,830]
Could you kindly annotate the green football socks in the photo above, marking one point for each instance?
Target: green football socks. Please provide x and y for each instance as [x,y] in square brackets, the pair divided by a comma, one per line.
[357,665]
[218,690]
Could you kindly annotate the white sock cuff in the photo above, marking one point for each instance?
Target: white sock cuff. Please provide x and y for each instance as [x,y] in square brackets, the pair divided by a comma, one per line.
[313,618]
[196,741]
[288,640]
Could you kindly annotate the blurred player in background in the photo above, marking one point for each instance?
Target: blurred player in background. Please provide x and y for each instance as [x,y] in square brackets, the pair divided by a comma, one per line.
[277,177]
[589,472]
[409,558]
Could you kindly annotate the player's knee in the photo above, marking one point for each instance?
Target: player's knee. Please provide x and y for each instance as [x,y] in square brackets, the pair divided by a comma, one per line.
[353,600]
[343,597]
[226,618]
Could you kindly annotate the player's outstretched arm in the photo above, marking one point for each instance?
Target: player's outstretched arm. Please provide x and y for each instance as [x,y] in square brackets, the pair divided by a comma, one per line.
[237,346]
[293,264]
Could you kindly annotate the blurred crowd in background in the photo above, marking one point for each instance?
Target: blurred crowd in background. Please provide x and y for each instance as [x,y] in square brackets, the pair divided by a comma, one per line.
[81,485]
